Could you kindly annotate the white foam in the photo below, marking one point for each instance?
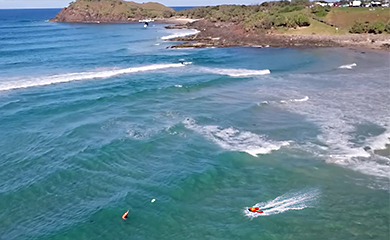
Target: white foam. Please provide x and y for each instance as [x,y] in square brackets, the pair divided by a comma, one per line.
[234,140]
[348,66]
[296,100]
[339,110]
[379,142]
[61,78]
[236,72]
[374,165]
[263,103]
[178,86]
[286,202]
[181,33]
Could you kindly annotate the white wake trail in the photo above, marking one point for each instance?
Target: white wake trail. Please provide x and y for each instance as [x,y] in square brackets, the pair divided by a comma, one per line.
[286,202]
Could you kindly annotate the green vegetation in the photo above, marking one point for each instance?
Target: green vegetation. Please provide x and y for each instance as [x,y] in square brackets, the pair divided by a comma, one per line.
[376,27]
[268,15]
[320,11]
[281,16]
[119,9]
[289,17]
[315,27]
[345,18]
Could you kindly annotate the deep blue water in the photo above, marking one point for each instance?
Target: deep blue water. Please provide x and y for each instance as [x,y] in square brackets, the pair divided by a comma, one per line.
[97,119]
[181,8]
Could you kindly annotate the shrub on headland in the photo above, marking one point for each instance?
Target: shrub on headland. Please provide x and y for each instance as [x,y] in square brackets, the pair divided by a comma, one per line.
[266,16]
[376,28]
[320,11]
[359,27]
[387,28]
[301,20]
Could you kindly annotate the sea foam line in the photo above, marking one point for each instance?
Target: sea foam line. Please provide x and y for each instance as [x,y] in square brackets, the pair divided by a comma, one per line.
[234,140]
[69,77]
[296,100]
[237,72]
[286,202]
[181,34]
[348,66]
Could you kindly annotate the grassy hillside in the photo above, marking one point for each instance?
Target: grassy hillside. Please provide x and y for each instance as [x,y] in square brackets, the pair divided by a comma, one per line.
[117,7]
[111,11]
[292,17]
[345,17]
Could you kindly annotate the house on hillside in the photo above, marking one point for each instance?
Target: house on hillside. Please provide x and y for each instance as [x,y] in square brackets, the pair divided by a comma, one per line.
[355,3]
[376,4]
[323,3]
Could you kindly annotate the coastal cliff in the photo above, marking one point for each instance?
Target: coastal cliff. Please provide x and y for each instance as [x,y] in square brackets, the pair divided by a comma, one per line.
[111,11]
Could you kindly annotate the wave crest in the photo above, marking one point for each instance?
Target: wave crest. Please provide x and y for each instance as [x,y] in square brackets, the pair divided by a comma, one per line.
[296,100]
[234,140]
[181,34]
[69,77]
[348,66]
[237,72]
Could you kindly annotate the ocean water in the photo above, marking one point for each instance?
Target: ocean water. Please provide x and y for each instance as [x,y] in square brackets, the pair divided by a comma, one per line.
[97,119]
[181,8]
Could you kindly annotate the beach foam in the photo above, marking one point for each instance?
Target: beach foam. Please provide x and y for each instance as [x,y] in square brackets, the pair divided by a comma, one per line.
[69,77]
[348,66]
[286,202]
[234,140]
[296,100]
[236,72]
[181,33]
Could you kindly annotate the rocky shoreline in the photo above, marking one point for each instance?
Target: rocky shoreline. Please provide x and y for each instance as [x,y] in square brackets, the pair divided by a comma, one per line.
[218,34]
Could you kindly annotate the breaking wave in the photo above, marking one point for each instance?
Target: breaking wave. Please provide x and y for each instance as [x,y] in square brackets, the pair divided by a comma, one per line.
[296,100]
[69,77]
[237,72]
[234,140]
[348,66]
[286,202]
[341,113]
[181,34]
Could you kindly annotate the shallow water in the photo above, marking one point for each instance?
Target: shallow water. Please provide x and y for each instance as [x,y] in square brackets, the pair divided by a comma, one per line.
[98,119]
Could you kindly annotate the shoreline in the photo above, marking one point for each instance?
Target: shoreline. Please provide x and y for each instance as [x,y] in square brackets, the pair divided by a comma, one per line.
[217,34]
[227,34]
[176,21]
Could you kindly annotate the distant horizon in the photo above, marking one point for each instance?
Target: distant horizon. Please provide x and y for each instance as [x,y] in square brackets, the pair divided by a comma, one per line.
[57,8]
[59,4]
[37,8]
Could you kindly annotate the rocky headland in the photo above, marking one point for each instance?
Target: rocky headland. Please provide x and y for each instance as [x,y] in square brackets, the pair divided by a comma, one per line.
[265,25]
[111,11]
[223,34]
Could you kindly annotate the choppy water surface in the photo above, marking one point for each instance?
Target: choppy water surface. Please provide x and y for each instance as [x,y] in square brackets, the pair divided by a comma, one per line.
[97,119]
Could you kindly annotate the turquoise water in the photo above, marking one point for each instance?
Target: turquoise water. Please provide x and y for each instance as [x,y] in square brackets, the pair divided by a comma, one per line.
[98,119]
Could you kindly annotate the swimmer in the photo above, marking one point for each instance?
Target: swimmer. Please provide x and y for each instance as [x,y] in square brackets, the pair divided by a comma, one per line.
[124,216]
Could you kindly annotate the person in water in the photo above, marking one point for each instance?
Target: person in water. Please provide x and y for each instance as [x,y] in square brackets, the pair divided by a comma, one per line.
[124,216]
[255,210]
